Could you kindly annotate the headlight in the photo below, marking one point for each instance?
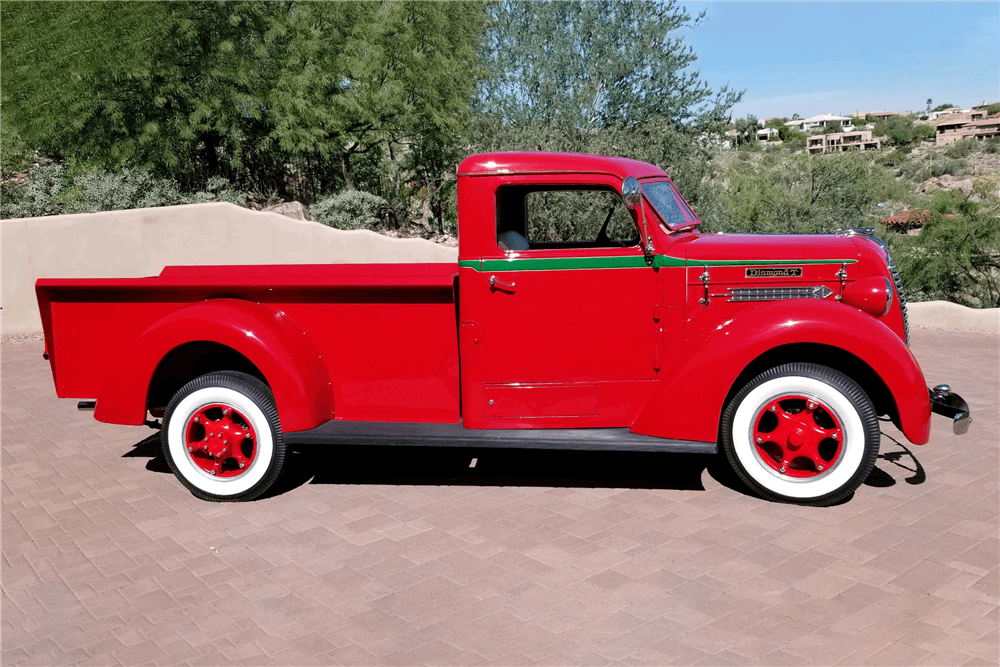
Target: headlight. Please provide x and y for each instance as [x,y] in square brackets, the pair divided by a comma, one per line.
[872,295]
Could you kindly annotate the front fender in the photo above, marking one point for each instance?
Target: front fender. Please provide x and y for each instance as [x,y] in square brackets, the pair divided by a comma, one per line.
[689,403]
[281,350]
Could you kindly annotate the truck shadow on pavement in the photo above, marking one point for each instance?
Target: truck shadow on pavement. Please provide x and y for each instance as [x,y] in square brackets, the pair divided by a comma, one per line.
[453,466]
[460,466]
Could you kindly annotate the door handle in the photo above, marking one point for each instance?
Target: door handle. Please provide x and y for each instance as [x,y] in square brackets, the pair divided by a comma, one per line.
[494,281]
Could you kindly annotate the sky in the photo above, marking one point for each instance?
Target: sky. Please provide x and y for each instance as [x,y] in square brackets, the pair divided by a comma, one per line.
[841,57]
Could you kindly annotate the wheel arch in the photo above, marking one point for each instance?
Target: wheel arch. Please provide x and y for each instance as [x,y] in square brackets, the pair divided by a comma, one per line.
[266,342]
[188,361]
[689,402]
[849,364]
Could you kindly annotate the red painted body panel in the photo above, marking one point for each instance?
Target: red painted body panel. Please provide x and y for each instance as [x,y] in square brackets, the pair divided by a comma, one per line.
[575,343]
[708,369]
[386,336]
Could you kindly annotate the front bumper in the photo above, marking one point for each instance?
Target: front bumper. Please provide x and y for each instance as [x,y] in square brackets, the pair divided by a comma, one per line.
[945,402]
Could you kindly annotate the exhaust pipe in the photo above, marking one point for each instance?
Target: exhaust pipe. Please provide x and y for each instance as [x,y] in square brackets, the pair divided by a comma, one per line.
[86,406]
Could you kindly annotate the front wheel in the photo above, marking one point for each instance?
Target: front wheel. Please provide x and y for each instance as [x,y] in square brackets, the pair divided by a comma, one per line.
[222,438]
[801,433]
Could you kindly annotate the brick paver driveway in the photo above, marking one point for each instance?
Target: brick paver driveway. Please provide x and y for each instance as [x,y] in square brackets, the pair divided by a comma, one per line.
[383,556]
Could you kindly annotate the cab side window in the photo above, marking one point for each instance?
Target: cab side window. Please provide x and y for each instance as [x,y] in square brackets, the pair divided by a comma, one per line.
[563,217]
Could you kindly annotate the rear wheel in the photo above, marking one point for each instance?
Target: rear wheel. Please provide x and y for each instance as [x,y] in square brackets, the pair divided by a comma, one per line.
[801,433]
[222,438]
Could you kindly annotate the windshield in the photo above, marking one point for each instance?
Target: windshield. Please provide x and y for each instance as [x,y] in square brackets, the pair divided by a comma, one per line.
[668,203]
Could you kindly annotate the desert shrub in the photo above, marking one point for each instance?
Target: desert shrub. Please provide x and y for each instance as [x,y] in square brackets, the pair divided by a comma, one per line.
[948,202]
[352,209]
[45,193]
[991,145]
[947,166]
[917,171]
[128,188]
[961,149]
[58,188]
[953,258]
[218,189]
[795,144]
[891,158]
[806,194]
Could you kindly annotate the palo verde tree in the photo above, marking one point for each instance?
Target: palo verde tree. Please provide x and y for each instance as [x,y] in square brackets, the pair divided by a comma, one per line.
[244,90]
[595,64]
[602,76]
[358,75]
[180,88]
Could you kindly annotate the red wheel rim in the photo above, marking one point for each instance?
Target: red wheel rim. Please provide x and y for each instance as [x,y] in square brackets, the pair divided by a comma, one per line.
[798,436]
[220,440]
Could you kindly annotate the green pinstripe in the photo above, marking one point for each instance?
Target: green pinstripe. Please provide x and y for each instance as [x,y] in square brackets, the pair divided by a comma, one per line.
[631,262]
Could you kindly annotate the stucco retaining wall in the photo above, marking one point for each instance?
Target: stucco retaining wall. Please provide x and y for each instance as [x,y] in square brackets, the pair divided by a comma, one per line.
[140,242]
[947,315]
[135,243]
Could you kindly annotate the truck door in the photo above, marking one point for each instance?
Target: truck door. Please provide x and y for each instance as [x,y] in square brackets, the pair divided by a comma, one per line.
[568,310]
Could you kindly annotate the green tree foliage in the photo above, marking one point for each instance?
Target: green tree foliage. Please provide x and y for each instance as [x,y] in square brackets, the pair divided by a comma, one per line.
[603,77]
[993,108]
[805,194]
[833,127]
[901,130]
[240,90]
[746,129]
[942,107]
[357,75]
[954,258]
[604,63]
[168,86]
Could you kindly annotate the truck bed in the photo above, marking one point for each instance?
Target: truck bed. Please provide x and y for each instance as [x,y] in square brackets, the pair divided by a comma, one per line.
[386,332]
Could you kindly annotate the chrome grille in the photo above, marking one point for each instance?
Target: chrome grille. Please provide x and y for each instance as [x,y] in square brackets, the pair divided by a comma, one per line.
[779,293]
[899,292]
[868,232]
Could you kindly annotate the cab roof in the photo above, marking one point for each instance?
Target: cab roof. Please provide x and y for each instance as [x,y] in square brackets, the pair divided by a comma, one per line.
[536,162]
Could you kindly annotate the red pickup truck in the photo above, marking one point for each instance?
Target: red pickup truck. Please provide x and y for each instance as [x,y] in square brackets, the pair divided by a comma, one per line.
[586,311]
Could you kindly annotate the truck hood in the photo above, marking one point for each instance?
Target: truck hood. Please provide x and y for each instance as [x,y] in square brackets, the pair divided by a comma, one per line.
[763,248]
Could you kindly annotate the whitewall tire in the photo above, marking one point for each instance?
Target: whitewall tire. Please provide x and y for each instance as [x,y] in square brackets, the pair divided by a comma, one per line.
[222,438]
[801,433]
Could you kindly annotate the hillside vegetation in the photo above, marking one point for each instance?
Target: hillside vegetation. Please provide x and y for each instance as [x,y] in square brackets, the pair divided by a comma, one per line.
[362,112]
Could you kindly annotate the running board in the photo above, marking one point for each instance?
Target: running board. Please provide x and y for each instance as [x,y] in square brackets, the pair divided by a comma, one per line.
[336,432]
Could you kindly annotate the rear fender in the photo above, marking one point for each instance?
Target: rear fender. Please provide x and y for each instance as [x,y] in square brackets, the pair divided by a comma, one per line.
[689,403]
[280,349]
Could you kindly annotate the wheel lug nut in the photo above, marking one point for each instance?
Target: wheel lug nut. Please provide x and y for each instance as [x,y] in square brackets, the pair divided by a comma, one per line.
[819,467]
[190,449]
[211,472]
[781,469]
[773,408]
[810,405]
[760,440]
[243,465]
[196,420]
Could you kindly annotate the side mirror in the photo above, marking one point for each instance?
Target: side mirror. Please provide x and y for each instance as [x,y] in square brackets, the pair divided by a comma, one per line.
[633,198]
[630,193]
